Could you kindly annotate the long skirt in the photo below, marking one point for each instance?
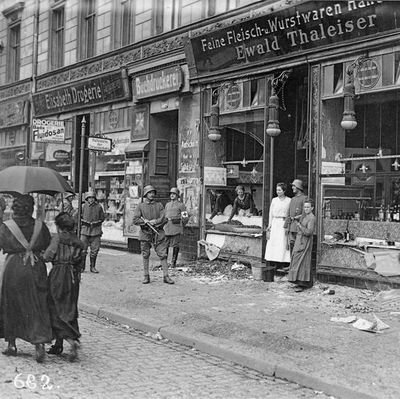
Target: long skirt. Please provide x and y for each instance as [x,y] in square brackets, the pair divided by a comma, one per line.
[24,311]
[63,301]
[300,265]
[277,248]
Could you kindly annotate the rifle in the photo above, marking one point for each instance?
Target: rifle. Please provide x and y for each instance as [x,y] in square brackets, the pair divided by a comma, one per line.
[149,225]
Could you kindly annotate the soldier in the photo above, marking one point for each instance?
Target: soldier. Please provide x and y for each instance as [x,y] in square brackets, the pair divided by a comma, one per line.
[295,212]
[150,216]
[92,219]
[177,216]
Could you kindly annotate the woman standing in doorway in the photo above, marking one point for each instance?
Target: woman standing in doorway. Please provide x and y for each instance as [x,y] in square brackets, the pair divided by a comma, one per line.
[277,250]
[300,265]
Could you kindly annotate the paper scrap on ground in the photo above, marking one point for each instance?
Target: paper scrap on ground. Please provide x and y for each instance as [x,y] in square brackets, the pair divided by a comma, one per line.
[371,326]
[348,319]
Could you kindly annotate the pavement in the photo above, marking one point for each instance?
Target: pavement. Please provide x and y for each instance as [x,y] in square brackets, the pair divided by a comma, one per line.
[265,326]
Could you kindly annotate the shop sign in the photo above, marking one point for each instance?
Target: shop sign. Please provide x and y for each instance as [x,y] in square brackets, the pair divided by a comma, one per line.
[102,90]
[48,131]
[119,142]
[305,27]
[99,144]
[368,73]
[61,154]
[214,176]
[167,80]
[58,152]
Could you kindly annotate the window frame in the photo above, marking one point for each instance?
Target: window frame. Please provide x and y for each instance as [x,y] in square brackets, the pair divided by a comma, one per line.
[57,39]
[14,50]
[87,44]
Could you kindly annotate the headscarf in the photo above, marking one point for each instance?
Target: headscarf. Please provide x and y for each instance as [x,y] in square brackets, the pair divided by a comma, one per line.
[23,205]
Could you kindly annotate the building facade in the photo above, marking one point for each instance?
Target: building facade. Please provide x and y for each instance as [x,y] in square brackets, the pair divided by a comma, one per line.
[183,89]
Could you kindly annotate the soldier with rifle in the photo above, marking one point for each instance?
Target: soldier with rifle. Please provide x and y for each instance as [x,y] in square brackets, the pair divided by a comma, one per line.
[150,216]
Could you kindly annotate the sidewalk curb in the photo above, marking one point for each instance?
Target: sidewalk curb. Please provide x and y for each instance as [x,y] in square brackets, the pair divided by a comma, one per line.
[271,370]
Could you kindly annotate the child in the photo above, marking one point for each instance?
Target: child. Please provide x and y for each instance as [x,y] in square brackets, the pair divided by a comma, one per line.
[66,252]
[300,265]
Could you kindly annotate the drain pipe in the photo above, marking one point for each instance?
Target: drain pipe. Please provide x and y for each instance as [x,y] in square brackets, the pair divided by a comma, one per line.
[28,160]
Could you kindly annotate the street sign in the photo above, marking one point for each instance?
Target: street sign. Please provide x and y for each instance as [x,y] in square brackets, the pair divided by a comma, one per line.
[99,144]
[48,131]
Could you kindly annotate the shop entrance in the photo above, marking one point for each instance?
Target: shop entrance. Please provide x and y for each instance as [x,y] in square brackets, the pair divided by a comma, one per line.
[291,146]
[164,137]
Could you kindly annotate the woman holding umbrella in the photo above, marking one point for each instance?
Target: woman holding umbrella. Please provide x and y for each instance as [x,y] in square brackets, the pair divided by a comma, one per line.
[24,311]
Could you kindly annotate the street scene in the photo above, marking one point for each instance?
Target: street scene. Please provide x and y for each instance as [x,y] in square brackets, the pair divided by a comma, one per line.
[200,199]
[119,363]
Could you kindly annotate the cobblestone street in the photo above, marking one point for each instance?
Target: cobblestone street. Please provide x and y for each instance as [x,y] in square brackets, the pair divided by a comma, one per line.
[116,362]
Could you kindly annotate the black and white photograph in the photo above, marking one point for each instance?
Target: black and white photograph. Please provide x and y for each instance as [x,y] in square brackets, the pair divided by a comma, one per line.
[199,199]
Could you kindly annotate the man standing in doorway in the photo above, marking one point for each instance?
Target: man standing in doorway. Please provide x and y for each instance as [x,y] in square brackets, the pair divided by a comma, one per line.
[92,219]
[177,217]
[150,216]
[295,211]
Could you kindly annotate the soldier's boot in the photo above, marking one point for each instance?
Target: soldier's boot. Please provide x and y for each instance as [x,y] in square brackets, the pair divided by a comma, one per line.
[146,278]
[93,265]
[175,254]
[167,279]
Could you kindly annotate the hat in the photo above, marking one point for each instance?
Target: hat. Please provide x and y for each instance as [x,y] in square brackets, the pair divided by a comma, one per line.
[65,221]
[23,205]
[90,194]
[298,184]
[68,194]
[147,189]
[174,190]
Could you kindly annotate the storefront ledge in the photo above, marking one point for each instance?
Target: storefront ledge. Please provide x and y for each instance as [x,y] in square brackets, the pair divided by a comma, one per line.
[232,233]
[356,278]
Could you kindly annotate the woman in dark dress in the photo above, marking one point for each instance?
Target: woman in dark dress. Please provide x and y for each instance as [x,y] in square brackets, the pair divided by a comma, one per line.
[24,311]
[66,252]
[300,264]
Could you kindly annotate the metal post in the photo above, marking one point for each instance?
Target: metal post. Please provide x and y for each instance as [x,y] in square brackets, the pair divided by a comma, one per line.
[83,128]
[271,170]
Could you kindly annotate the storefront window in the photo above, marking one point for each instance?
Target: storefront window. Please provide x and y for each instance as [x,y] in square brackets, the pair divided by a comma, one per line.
[360,168]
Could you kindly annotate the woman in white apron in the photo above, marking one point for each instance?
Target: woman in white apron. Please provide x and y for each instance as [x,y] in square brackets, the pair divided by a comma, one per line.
[277,250]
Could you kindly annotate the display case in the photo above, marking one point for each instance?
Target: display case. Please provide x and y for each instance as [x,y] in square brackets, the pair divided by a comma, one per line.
[110,194]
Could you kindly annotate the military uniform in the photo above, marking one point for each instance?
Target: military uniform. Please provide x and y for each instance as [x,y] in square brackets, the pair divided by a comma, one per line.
[295,211]
[92,218]
[150,216]
[176,215]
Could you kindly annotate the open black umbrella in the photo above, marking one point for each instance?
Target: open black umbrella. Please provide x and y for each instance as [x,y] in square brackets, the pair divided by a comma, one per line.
[32,179]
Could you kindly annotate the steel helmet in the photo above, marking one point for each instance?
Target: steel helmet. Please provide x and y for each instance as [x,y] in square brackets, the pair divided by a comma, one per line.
[174,190]
[68,194]
[90,194]
[147,189]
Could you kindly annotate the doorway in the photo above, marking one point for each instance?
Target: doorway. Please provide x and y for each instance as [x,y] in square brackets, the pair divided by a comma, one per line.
[164,145]
[291,146]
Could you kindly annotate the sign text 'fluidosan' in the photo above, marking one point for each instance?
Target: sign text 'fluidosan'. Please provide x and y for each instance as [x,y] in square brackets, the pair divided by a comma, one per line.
[48,131]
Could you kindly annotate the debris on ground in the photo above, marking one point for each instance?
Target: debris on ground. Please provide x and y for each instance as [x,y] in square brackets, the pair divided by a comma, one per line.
[216,270]
[348,319]
[238,266]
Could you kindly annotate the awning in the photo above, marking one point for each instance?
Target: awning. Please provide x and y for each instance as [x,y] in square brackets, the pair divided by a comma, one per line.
[137,147]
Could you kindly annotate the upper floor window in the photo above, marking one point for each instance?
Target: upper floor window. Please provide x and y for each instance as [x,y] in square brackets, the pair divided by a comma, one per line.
[57,28]
[13,16]
[136,20]
[14,52]
[87,29]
